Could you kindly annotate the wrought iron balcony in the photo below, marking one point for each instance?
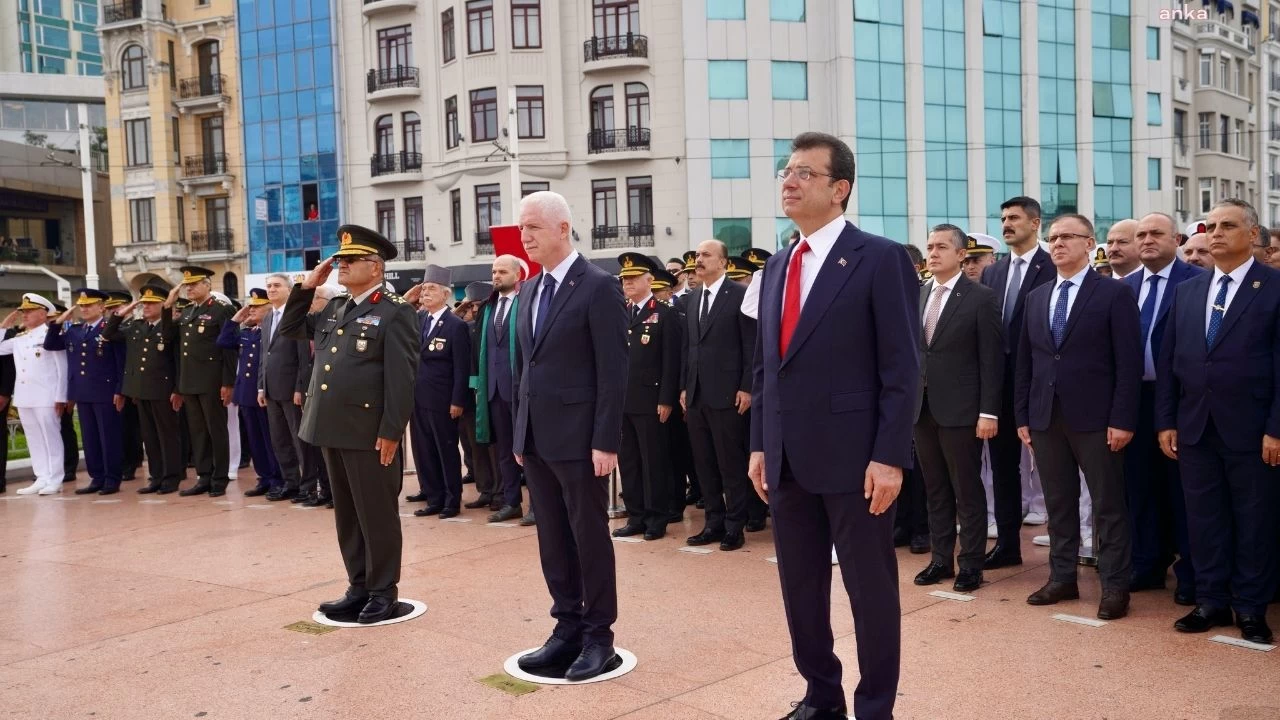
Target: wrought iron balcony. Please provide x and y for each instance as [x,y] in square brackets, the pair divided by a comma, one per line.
[632,138]
[194,166]
[211,240]
[121,11]
[621,237]
[203,86]
[612,46]
[394,77]
[392,163]
[484,243]
[410,249]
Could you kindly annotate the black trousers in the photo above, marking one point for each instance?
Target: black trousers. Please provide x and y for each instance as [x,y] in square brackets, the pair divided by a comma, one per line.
[1061,454]
[366,511]
[70,447]
[574,546]
[685,477]
[481,460]
[435,454]
[130,438]
[300,462]
[805,527]
[504,431]
[720,450]
[951,461]
[912,516]
[1157,507]
[210,446]
[1006,469]
[158,425]
[644,462]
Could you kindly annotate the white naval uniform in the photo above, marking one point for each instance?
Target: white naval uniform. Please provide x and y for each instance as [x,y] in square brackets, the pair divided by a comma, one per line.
[233,440]
[41,383]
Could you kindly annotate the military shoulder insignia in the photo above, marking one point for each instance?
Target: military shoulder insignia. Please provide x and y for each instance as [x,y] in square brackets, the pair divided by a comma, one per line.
[395,299]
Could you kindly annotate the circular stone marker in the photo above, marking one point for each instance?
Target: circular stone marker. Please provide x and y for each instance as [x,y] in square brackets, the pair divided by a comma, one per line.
[624,663]
[405,610]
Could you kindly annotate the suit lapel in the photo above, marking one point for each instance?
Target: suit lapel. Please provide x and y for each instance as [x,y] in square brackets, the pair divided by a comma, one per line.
[1039,259]
[835,272]
[563,292]
[716,306]
[1249,289]
[1087,286]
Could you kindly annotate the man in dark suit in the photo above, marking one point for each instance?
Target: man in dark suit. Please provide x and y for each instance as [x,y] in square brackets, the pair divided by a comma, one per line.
[716,396]
[571,383]
[1157,508]
[358,403]
[495,384]
[1079,371]
[653,388]
[243,333]
[440,394]
[1026,268]
[1218,413]
[282,384]
[961,373]
[829,440]
[481,459]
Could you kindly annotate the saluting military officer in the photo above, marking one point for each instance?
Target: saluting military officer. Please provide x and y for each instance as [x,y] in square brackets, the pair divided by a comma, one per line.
[243,334]
[653,391]
[95,373]
[130,427]
[150,376]
[206,377]
[358,404]
[40,392]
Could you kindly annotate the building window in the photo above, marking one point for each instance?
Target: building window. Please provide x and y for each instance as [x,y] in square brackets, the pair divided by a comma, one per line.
[455,217]
[384,136]
[604,203]
[1180,194]
[87,12]
[1206,195]
[786,10]
[1153,109]
[386,212]
[177,140]
[1224,73]
[726,9]
[447,43]
[640,204]
[526,24]
[484,114]
[727,79]
[790,80]
[137,141]
[529,188]
[615,18]
[730,159]
[451,135]
[479,26]
[1180,65]
[1153,173]
[1206,128]
[411,132]
[133,68]
[529,108]
[395,47]
[1239,78]
[1226,189]
[415,238]
[637,105]
[1224,133]
[488,207]
[173,68]
[1240,145]
[57,38]
[1153,43]
[602,109]
[142,220]
[1206,70]
[1180,129]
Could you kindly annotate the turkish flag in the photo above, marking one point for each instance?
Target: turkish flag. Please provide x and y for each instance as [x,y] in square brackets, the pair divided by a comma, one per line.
[506,241]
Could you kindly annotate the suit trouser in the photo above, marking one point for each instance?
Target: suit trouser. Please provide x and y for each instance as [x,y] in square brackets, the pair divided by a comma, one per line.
[366,511]
[1061,454]
[435,454]
[253,418]
[951,461]
[210,447]
[682,462]
[757,509]
[298,463]
[644,464]
[1157,507]
[720,450]
[1006,468]
[913,502]
[574,546]
[504,440]
[130,438]
[100,429]
[1231,501]
[42,427]
[805,527]
[70,447]
[159,425]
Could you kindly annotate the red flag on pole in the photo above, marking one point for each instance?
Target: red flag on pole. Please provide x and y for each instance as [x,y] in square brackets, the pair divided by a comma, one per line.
[506,241]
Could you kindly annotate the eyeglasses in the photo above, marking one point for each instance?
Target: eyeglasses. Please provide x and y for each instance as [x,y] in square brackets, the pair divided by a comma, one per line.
[1266,249]
[802,172]
[1066,237]
[349,260]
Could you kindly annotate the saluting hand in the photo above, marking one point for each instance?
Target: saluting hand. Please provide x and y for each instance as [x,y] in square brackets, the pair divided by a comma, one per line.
[124,310]
[318,275]
[387,448]
[64,317]
[881,486]
[413,294]
[241,315]
[8,319]
[174,294]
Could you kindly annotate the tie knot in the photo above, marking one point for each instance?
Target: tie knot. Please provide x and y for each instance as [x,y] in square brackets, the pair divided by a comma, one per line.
[802,247]
[1065,286]
[549,281]
[1153,279]
[1018,262]
[937,291]
[1226,280]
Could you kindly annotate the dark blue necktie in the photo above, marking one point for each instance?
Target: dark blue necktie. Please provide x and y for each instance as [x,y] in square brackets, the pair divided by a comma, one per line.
[544,303]
[1059,324]
[1148,314]
[1219,309]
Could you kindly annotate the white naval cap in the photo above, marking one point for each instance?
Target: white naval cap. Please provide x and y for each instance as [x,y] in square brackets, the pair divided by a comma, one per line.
[32,301]
[1195,228]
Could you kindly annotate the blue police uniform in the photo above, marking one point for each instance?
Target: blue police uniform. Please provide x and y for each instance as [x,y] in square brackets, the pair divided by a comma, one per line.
[245,394]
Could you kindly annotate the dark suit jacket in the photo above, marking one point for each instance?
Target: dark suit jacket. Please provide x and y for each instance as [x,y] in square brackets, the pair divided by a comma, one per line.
[964,366]
[844,394]
[719,352]
[1096,375]
[1234,383]
[1039,270]
[1180,272]
[286,365]
[444,363]
[655,346]
[571,381]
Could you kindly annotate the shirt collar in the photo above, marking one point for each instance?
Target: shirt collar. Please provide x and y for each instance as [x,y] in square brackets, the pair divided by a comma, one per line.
[558,272]
[1163,272]
[823,238]
[1024,256]
[1237,275]
[361,297]
[715,286]
[509,295]
[950,285]
[645,301]
[1076,280]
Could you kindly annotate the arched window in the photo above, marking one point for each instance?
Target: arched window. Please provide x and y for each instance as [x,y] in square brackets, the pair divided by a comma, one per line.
[231,286]
[209,63]
[637,105]
[602,108]
[133,68]
[411,129]
[384,139]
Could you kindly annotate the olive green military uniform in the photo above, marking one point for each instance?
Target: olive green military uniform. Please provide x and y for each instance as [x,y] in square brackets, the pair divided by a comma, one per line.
[203,370]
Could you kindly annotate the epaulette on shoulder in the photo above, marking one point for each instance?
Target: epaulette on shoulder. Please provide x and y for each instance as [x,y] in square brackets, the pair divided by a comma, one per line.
[395,298]
[220,301]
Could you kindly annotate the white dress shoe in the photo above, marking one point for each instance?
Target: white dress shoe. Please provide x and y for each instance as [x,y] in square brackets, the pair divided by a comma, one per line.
[31,489]
[1041,540]
[992,532]
[51,489]
[1035,518]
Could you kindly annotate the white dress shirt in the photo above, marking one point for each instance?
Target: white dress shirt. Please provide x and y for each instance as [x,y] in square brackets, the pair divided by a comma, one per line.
[950,285]
[820,244]
[1148,359]
[1026,265]
[1071,293]
[558,272]
[435,320]
[1237,278]
[276,314]
[714,289]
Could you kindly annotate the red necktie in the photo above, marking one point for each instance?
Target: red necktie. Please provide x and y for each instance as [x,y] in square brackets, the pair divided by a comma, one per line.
[791,297]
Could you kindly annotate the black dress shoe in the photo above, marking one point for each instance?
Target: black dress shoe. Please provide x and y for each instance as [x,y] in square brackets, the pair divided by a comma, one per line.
[428,511]
[352,601]
[258,491]
[901,538]
[447,513]
[1203,618]
[809,712]
[706,537]
[1114,604]
[378,608]
[1002,556]
[218,492]
[590,663]
[109,490]
[968,581]
[655,534]
[420,497]
[167,490]
[732,541]
[302,497]
[468,479]
[197,489]
[280,494]
[150,488]
[496,504]
[508,512]
[628,530]
[88,490]
[555,652]
[317,501]
[755,526]
[1254,628]
[920,544]
[700,504]
[1184,596]
[934,573]
[480,502]
[676,517]
[1053,593]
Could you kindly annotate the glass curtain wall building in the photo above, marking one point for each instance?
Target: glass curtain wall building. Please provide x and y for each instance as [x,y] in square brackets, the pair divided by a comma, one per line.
[880,89]
[1112,114]
[1002,104]
[946,164]
[292,175]
[55,37]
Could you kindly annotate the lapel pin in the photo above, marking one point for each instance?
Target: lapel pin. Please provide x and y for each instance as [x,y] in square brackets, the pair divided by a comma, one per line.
[842,262]
[571,283]
[1257,284]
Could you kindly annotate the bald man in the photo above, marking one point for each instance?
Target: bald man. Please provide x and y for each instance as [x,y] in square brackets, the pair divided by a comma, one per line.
[1196,251]
[1122,251]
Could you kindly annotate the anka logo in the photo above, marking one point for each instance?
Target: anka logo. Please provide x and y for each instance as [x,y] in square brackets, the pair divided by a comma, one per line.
[1184,12]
